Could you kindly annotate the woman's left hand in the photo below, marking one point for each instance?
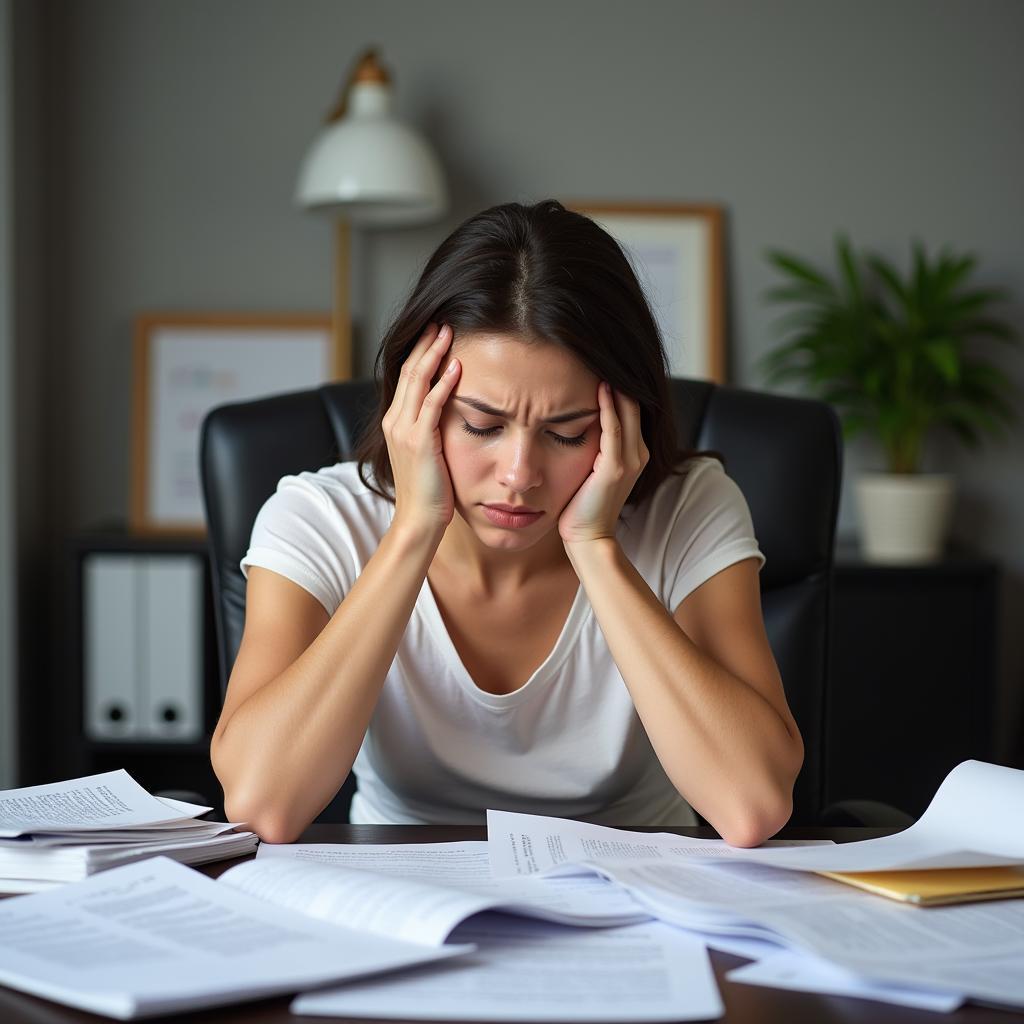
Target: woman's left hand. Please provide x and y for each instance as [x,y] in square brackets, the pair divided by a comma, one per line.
[593,511]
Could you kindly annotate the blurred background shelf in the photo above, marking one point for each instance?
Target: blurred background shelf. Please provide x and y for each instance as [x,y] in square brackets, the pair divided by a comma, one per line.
[912,679]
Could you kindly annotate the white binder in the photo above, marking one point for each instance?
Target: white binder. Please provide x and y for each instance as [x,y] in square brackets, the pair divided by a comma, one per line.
[110,596]
[170,628]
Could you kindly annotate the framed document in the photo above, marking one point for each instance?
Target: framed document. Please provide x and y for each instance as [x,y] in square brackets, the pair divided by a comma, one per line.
[676,251]
[184,366]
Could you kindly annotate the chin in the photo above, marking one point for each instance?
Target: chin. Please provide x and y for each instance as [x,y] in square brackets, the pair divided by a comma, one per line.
[498,538]
[508,540]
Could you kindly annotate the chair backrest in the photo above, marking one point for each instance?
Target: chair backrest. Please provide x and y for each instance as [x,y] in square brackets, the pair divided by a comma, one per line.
[784,452]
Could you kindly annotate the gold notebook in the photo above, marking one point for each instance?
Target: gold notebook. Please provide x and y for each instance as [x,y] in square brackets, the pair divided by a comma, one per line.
[938,886]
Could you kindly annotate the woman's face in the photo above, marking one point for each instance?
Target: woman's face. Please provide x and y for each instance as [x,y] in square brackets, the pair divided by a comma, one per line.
[514,455]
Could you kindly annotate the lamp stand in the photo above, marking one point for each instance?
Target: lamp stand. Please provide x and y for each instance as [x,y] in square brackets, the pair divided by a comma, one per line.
[342,301]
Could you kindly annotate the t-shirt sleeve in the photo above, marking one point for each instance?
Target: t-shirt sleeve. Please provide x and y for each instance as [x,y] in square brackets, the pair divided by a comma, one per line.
[711,529]
[299,534]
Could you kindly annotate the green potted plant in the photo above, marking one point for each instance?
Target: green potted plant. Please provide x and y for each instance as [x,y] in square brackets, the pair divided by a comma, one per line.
[897,357]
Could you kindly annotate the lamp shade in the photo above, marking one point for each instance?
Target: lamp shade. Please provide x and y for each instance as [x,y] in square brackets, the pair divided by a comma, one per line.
[370,166]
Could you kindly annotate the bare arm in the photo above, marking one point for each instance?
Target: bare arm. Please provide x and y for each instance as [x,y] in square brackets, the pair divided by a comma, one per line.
[703,678]
[303,688]
[706,687]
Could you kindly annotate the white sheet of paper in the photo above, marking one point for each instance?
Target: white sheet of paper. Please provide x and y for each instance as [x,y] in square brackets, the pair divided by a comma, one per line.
[805,974]
[404,908]
[586,899]
[952,948]
[976,818]
[527,844]
[155,937]
[188,829]
[19,886]
[998,980]
[104,801]
[738,945]
[531,970]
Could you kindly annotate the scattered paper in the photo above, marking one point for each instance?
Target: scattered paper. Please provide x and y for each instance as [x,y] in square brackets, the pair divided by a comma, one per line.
[157,937]
[583,900]
[527,844]
[530,970]
[111,799]
[805,974]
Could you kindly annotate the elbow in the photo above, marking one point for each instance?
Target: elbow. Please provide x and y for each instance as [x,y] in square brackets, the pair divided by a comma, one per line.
[754,825]
[268,824]
[757,813]
[756,817]
[273,830]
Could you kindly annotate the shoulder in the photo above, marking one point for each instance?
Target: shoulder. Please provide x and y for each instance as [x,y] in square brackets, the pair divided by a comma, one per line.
[318,529]
[698,486]
[328,491]
[696,523]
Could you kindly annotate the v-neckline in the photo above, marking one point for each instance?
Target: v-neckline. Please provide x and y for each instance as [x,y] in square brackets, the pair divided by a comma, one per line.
[540,677]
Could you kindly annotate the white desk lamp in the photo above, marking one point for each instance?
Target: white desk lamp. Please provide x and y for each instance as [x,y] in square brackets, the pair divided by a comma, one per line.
[369,170]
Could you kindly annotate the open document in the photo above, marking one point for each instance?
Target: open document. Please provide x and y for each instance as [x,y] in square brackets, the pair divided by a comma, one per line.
[157,937]
[437,885]
[976,818]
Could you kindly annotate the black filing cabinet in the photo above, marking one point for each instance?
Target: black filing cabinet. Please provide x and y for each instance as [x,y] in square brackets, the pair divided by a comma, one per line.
[911,689]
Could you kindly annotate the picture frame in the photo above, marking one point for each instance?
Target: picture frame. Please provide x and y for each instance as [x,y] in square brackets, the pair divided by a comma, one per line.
[185,364]
[677,253]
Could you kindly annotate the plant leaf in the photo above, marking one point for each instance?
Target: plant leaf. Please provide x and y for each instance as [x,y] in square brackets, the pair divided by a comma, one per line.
[798,269]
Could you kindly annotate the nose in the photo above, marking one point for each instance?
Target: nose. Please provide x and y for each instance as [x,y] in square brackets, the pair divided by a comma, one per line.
[518,464]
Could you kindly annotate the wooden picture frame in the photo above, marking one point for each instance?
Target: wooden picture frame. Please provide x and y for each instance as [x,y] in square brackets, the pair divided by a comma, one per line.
[185,364]
[677,253]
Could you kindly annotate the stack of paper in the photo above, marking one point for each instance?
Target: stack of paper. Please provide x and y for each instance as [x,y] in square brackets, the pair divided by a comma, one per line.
[549,920]
[66,831]
[811,931]
[157,937]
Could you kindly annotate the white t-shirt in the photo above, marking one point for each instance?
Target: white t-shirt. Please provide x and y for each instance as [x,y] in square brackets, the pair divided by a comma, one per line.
[569,742]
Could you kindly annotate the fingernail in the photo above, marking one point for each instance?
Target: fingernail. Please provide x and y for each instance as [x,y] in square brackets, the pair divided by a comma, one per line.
[452,366]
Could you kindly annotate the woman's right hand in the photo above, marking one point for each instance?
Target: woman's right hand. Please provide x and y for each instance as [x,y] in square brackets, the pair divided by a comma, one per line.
[424,500]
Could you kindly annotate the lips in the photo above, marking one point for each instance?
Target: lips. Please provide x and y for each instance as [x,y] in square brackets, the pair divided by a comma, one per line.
[514,509]
[511,516]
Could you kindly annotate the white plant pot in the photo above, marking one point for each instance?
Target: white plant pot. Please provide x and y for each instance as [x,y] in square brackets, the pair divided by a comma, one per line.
[904,517]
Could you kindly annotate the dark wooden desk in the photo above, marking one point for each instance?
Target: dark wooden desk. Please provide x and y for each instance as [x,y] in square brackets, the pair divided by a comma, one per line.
[743,1003]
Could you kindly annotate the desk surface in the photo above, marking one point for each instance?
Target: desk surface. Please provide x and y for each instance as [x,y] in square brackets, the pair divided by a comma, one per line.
[743,1003]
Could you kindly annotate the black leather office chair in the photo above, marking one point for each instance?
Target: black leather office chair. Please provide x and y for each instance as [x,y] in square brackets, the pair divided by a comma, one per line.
[785,453]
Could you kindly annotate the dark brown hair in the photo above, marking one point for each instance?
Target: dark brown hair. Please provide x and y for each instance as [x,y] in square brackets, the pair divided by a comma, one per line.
[547,274]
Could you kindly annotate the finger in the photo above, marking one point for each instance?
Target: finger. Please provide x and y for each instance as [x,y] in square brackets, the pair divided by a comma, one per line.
[426,339]
[433,404]
[628,411]
[611,428]
[421,373]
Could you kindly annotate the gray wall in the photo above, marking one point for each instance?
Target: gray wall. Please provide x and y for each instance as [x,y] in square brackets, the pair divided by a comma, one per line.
[171,134]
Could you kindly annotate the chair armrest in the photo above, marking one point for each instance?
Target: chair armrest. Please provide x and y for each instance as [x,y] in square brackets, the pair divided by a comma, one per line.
[869,813]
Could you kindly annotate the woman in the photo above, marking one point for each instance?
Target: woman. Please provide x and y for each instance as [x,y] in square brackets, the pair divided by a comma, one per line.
[519,594]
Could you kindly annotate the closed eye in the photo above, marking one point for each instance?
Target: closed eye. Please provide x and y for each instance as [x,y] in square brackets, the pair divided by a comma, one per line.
[571,442]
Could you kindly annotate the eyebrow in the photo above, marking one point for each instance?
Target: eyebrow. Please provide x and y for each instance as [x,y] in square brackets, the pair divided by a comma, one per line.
[563,417]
